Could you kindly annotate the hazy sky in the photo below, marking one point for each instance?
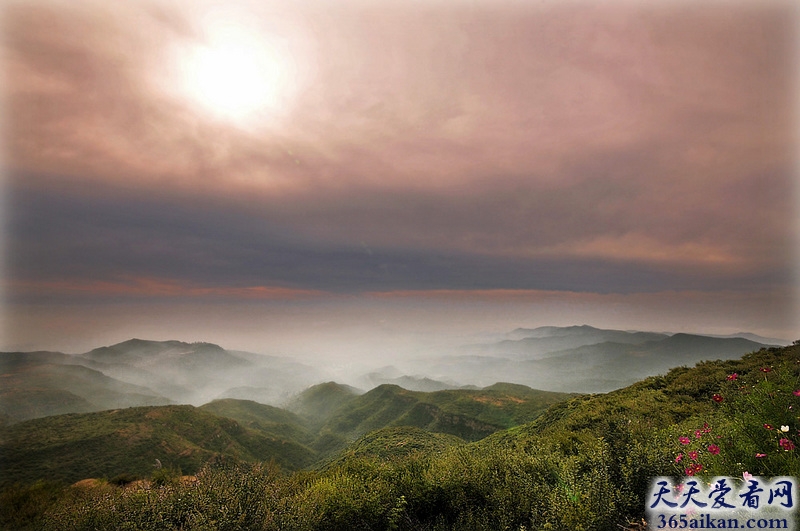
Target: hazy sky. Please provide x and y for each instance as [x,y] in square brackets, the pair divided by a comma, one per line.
[251,172]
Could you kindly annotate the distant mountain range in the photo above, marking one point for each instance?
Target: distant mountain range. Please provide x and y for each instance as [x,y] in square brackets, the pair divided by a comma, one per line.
[143,373]
[582,358]
[148,373]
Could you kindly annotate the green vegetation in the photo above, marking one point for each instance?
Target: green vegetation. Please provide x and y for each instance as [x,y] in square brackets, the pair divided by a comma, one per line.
[40,384]
[318,402]
[465,413]
[268,419]
[584,464]
[109,443]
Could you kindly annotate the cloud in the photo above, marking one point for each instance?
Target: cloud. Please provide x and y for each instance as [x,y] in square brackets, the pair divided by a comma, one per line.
[74,239]
[126,287]
[500,148]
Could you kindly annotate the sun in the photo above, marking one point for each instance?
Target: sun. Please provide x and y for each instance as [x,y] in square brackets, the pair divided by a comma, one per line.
[239,76]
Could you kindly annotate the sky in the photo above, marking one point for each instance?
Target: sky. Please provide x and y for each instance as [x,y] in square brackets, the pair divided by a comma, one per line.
[280,176]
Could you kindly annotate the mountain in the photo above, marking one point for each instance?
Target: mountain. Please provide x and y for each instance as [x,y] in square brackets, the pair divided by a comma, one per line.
[38,384]
[267,419]
[468,414]
[128,441]
[411,383]
[140,372]
[196,373]
[539,342]
[757,338]
[585,367]
[318,402]
[592,368]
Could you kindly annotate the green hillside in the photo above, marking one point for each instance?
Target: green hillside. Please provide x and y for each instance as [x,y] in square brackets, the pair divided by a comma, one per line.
[128,441]
[34,385]
[318,402]
[396,443]
[584,464]
[465,413]
[268,419]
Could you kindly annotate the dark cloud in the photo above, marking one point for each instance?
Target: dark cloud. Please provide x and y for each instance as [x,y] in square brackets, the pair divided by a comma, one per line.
[575,148]
[69,239]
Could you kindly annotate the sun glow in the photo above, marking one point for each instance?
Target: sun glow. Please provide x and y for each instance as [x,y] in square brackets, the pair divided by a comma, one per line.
[240,76]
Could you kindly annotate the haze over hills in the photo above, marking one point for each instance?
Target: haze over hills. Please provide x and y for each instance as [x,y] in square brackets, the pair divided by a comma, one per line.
[320,421]
[582,358]
[195,373]
[584,447]
[109,443]
[140,372]
[39,384]
[545,340]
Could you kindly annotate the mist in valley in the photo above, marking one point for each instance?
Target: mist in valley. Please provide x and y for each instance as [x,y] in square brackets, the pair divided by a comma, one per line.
[270,355]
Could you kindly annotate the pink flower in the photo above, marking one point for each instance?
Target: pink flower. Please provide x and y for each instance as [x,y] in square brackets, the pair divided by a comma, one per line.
[747,475]
[698,434]
[689,471]
[759,456]
[693,455]
[713,449]
[786,444]
[769,427]
[796,392]
[685,440]
[732,376]
[679,458]
[706,428]
[717,398]
[679,487]
[766,369]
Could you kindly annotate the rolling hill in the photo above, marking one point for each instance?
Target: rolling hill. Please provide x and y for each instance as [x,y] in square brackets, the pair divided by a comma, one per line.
[128,441]
[544,341]
[592,367]
[196,373]
[464,413]
[39,384]
[139,372]
[143,373]
[267,419]
[396,443]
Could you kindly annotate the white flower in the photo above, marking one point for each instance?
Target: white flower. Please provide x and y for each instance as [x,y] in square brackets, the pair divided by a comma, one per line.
[784,428]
